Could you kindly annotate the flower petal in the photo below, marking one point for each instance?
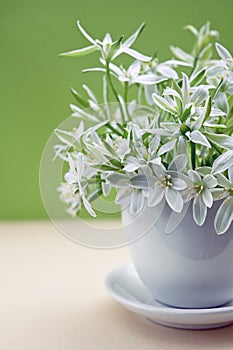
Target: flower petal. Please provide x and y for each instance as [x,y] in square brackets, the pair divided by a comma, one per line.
[174,199]
[220,140]
[178,184]
[123,196]
[87,36]
[162,103]
[223,162]
[197,137]
[146,79]
[185,89]
[207,198]
[88,207]
[210,181]
[230,174]
[178,163]
[223,181]
[158,169]
[135,54]
[167,147]
[195,177]
[137,202]
[118,180]
[155,195]
[181,55]
[71,177]
[128,42]
[224,216]
[199,211]
[223,52]
[142,181]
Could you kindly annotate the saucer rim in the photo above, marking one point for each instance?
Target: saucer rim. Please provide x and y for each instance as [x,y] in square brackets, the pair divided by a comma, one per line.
[162,308]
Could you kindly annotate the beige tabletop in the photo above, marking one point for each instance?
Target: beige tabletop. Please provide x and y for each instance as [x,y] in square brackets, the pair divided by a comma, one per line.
[52,297]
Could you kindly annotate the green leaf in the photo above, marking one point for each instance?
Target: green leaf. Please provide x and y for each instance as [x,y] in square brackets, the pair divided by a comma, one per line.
[186,114]
[117,43]
[96,153]
[206,53]
[134,36]
[81,100]
[116,163]
[103,167]
[204,114]
[196,79]
[110,150]
[80,52]
[176,87]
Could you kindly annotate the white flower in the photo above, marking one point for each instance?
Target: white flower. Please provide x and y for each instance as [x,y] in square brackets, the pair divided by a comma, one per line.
[127,196]
[68,138]
[69,196]
[200,189]
[164,123]
[78,175]
[109,49]
[163,184]
[224,214]
[141,155]
[202,50]
[222,70]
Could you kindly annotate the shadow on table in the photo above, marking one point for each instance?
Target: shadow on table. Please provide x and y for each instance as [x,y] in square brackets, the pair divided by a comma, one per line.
[148,332]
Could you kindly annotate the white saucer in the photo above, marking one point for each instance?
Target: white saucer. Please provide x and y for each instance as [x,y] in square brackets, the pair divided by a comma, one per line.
[124,285]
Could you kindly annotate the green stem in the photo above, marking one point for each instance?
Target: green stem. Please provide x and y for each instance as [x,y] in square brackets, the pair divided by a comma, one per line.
[194,64]
[193,155]
[216,148]
[126,92]
[109,79]
[95,180]
[126,99]
[114,130]
[217,88]
[94,195]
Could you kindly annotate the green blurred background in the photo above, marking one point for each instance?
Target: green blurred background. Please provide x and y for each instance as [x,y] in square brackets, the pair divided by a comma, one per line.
[35,81]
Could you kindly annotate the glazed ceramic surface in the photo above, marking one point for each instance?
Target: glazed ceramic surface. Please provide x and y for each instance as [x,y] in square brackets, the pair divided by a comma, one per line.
[181,264]
[124,285]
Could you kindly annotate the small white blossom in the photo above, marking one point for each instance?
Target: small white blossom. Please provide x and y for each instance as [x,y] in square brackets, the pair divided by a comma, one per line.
[167,138]
[200,189]
[224,215]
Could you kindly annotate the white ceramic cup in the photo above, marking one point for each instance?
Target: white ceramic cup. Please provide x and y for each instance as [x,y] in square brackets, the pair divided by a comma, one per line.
[191,267]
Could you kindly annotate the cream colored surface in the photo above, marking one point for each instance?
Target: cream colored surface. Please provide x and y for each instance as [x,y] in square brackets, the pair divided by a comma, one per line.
[52,297]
